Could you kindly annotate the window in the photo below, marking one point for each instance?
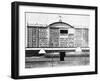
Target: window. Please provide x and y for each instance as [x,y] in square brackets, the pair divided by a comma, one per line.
[63,31]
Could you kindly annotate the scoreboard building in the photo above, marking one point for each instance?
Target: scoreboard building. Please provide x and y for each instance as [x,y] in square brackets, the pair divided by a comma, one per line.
[56,35]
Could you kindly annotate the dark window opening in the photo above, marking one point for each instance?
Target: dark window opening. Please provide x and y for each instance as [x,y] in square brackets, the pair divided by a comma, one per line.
[64,31]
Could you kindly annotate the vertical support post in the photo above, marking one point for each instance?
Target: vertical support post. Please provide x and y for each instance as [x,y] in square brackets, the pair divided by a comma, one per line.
[62,55]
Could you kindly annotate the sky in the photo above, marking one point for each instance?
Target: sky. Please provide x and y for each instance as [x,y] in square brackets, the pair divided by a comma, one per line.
[48,18]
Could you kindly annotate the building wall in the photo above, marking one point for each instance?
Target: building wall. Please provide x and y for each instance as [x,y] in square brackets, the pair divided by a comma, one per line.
[54,37]
[63,37]
[29,37]
[51,37]
[43,37]
[32,37]
[37,37]
[81,37]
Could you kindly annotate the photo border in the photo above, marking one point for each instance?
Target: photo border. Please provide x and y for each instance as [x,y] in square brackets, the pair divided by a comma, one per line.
[15,39]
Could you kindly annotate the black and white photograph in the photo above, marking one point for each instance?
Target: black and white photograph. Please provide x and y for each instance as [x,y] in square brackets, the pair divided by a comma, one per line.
[51,40]
[56,40]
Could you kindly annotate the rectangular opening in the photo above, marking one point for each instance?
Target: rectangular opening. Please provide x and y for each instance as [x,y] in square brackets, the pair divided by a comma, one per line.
[64,31]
